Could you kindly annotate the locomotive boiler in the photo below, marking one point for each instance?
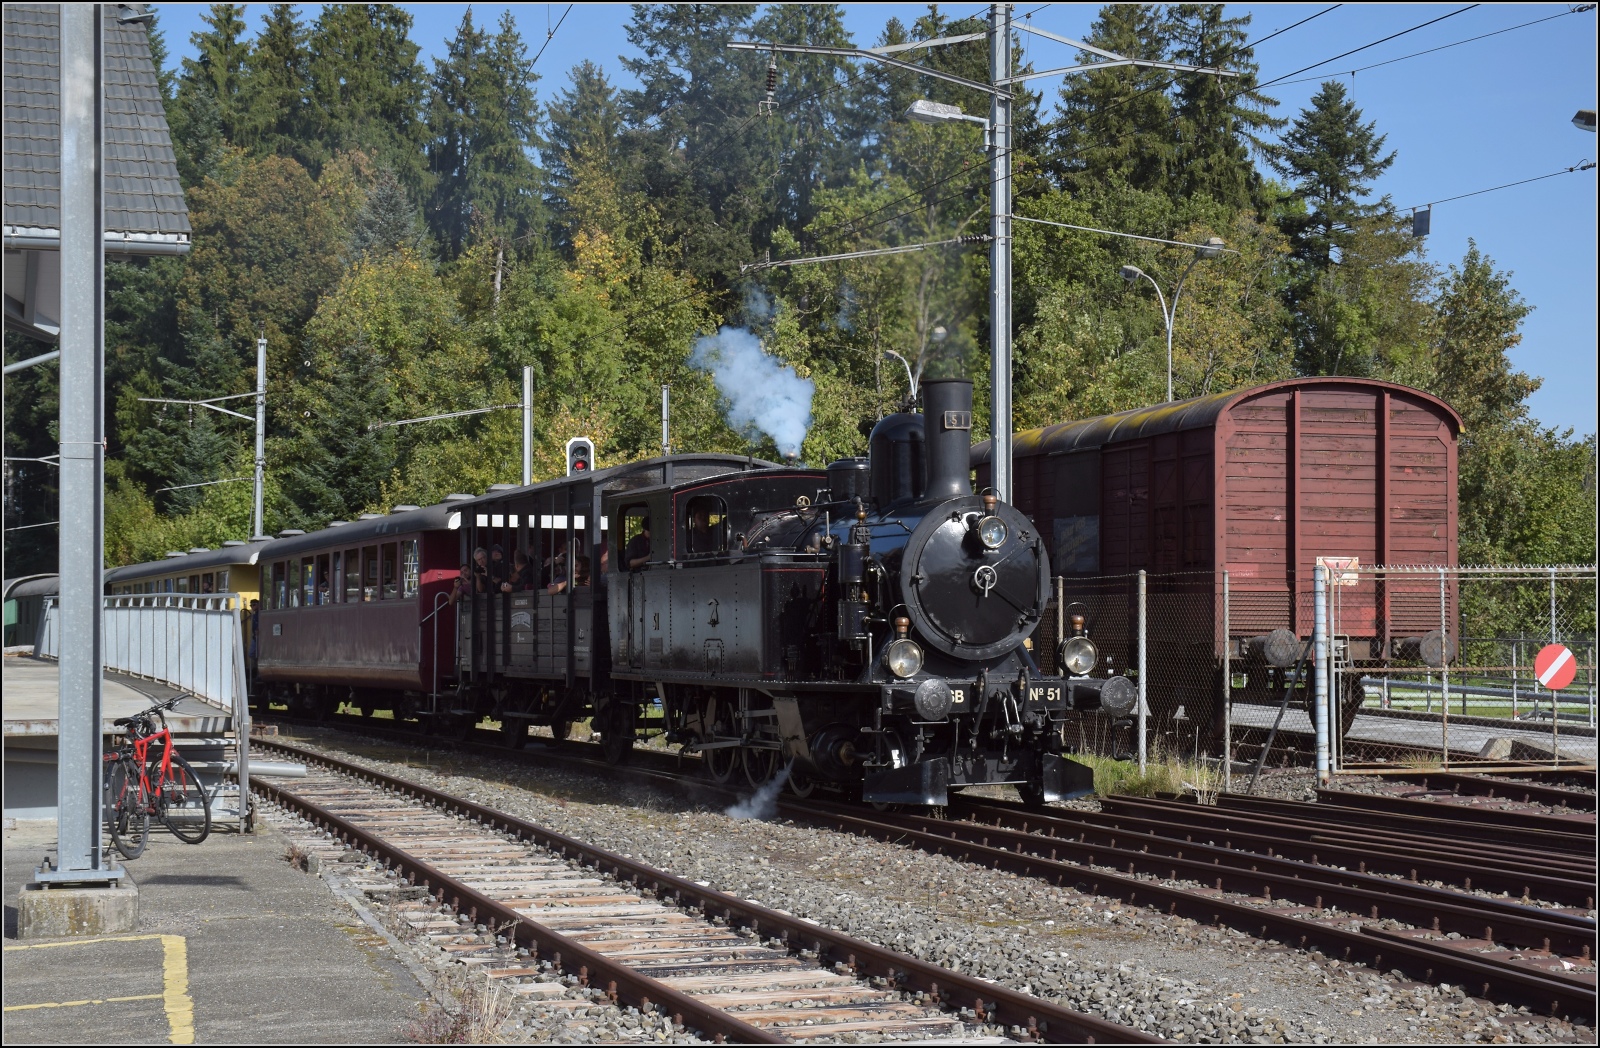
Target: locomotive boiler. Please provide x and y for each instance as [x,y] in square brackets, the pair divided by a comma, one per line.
[862,629]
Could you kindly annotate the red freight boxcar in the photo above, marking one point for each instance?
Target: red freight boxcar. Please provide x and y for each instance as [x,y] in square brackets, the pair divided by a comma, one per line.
[1258,483]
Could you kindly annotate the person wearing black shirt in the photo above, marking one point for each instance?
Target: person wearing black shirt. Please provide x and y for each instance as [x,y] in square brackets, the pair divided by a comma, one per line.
[638,552]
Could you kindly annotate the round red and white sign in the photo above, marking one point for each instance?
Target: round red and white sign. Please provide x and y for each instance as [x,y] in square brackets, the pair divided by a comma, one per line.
[1555,667]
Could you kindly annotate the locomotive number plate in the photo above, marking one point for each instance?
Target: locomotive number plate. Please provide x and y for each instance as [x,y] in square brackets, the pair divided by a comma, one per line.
[1049,694]
[958,694]
[958,420]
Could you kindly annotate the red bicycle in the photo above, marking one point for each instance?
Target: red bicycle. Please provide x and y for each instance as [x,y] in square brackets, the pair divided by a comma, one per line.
[146,776]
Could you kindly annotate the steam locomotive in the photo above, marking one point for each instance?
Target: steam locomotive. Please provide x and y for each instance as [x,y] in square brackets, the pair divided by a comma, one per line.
[862,629]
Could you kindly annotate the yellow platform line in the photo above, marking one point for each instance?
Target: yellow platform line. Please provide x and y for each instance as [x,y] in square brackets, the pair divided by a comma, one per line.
[174,995]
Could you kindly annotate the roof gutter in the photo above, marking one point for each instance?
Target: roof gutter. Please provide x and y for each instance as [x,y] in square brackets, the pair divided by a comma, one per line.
[115,243]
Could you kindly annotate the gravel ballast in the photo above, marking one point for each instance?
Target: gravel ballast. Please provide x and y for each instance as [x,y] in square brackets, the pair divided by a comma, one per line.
[1168,975]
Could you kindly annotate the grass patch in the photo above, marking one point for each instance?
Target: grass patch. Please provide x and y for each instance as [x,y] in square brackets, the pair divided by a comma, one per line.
[1163,773]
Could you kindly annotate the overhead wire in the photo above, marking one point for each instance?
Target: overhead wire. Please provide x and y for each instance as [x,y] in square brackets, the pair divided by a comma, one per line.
[1582,165]
[849,227]
[550,34]
[1442,47]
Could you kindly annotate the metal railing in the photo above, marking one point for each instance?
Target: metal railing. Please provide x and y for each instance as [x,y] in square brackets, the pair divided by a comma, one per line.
[190,641]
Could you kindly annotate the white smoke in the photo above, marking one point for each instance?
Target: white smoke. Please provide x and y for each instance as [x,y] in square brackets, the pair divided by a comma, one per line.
[763,394]
[763,804]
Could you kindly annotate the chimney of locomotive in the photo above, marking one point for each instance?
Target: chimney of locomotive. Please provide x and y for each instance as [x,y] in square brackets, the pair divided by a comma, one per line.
[947,428]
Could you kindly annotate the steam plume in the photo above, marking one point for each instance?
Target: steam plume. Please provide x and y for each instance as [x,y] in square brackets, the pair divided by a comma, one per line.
[763,394]
[763,804]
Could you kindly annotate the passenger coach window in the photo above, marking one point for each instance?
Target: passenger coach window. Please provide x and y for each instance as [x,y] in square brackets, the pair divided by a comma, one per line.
[706,522]
[369,573]
[336,586]
[279,585]
[222,581]
[324,581]
[308,582]
[294,584]
[391,587]
[352,576]
[411,566]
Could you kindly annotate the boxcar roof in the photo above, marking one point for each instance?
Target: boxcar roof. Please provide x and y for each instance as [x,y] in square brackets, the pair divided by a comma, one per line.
[209,560]
[1196,413]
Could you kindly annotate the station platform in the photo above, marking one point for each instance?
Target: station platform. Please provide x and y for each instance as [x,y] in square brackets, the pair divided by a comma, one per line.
[233,946]
[30,699]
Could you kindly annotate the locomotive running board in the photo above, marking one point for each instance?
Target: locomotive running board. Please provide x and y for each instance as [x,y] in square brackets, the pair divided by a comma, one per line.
[927,782]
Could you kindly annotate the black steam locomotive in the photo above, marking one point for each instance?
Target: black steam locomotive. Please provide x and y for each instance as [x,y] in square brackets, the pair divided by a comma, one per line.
[862,628]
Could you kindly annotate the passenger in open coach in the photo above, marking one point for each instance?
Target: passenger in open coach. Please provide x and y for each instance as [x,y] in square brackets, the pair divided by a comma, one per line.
[462,585]
[521,573]
[499,571]
[580,575]
[480,570]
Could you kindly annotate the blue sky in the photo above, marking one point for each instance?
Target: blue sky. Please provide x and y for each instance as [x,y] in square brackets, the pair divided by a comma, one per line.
[1462,119]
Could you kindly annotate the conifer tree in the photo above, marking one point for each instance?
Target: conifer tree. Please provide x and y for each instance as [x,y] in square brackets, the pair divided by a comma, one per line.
[690,116]
[482,123]
[584,124]
[366,89]
[1331,159]
[387,221]
[218,67]
[1219,119]
[1117,124]
[275,88]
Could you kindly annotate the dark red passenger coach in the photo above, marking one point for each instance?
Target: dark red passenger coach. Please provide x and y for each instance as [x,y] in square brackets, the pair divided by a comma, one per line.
[1259,483]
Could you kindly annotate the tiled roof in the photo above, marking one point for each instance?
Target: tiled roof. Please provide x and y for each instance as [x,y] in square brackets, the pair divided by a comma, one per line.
[143,198]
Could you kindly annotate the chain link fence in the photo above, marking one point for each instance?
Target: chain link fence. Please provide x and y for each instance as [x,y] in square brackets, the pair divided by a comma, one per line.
[1419,664]
[1466,690]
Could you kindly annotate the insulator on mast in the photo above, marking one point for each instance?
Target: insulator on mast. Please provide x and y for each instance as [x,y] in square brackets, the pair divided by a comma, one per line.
[768,104]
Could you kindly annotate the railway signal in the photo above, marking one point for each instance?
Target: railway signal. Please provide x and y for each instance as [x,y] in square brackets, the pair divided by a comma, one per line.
[580,455]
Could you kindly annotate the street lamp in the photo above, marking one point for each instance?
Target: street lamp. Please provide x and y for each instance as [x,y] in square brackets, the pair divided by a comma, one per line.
[1210,249]
[925,111]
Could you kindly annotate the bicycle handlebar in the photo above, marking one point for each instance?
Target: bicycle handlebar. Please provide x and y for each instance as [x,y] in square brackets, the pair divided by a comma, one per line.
[143,716]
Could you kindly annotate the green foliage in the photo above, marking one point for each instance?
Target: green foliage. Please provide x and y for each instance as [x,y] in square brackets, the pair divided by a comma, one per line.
[394,234]
[1331,159]
[481,124]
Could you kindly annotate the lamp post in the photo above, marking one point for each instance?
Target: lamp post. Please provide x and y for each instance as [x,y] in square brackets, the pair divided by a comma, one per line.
[1210,249]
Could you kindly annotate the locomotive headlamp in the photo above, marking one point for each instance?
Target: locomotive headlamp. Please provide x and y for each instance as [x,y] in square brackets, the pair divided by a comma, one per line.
[992,532]
[904,657]
[1078,655]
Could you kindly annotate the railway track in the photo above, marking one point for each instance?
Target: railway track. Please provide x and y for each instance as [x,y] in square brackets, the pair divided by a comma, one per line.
[724,967]
[1393,890]
[1479,791]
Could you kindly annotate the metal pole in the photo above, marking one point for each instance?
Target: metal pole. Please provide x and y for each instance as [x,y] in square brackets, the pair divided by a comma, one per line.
[666,418]
[82,543]
[1555,696]
[1514,680]
[258,521]
[1144,709]
[1444,675]
[1227,689]
[1000,256]
[527,426]
[1319,657]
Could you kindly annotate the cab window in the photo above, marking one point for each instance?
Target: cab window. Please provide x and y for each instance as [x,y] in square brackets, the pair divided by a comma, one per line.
[705,525]
[634,540]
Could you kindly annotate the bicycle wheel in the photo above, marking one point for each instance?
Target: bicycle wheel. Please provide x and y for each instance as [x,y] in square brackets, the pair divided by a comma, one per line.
[182,804]
[127,809]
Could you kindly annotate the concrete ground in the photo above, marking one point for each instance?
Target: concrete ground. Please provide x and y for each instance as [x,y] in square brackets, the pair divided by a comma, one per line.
[234,946]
